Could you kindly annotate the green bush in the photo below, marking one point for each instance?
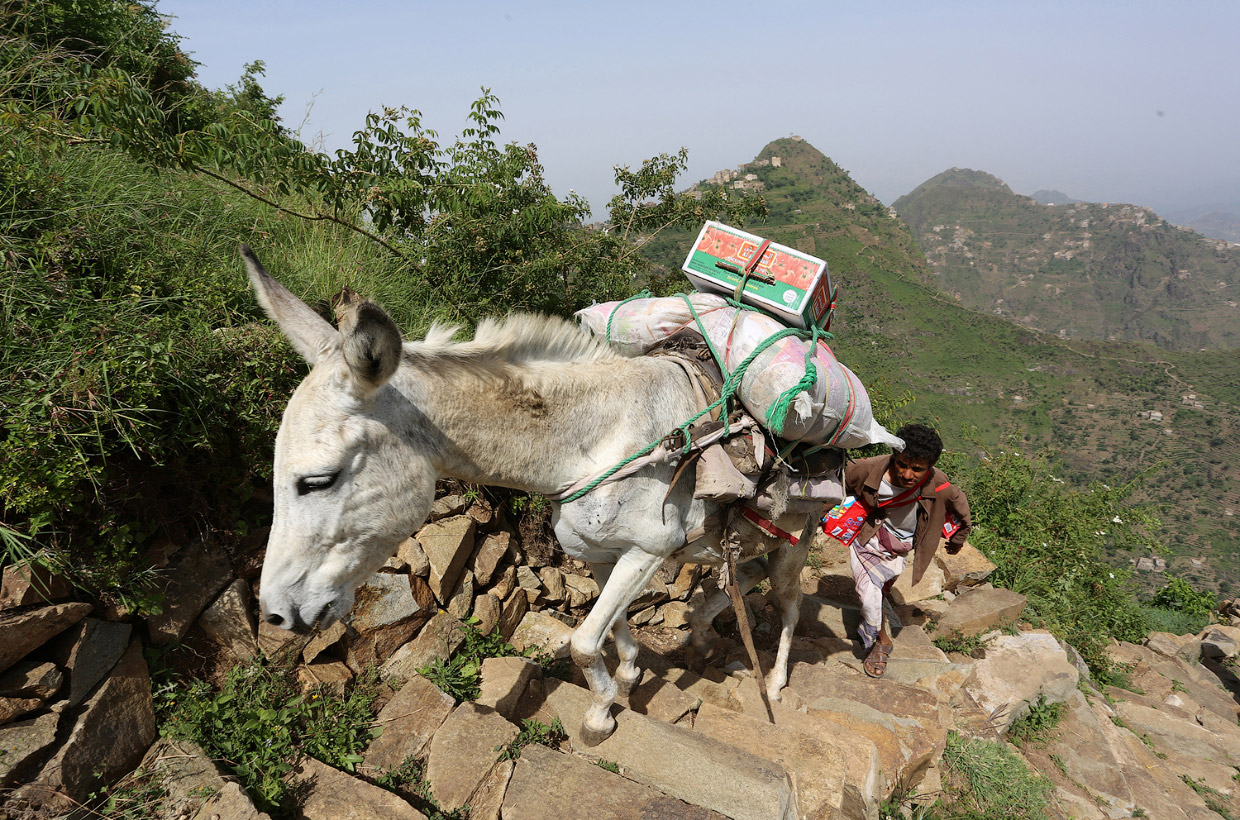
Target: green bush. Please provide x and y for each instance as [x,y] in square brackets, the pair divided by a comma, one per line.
[1049,542]
[1178,595]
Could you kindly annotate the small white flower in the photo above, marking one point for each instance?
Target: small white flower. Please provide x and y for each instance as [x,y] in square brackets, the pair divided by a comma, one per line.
[1117,520]
[1111,574]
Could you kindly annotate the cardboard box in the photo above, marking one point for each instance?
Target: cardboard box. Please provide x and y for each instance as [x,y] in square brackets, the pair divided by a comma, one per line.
[797,287]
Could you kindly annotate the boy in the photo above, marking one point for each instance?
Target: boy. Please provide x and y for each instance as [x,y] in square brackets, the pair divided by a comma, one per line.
[906,500]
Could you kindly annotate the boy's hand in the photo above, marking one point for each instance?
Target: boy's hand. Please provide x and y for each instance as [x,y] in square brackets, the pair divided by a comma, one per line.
[952,549]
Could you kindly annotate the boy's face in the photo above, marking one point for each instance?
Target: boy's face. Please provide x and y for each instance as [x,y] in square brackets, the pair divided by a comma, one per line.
[908,472]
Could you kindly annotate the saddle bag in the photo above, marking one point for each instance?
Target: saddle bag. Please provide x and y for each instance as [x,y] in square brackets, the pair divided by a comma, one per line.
[730,470]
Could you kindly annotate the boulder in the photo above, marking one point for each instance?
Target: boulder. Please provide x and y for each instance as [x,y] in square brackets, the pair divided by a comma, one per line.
[229,621]
[437,641]
[966,568]
[30,583]
[22,631]
[32,679]
[411,552]
[385,615]
[448,505]
[581,591]
[116,727]
[553,582]
[680,762]
[487,609]
[22,744]
[489,556]
[448,543]
[979,610]
[195,575]
[194,785]
[330,794]
[88,651]
[1185,647]
[462,601]
[324,640]
[515,606]
[505,583]
[543,777]
[409,720]
[539,632]
[462,752]
[1173,734]
[334,675]
[1218,642]
[1017,671]
[930,586]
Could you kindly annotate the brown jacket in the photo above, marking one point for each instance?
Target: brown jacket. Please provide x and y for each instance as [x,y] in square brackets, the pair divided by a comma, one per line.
[938,496]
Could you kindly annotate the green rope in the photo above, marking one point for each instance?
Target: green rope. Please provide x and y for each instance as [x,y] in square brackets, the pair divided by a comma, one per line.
[731,384]
[645,294]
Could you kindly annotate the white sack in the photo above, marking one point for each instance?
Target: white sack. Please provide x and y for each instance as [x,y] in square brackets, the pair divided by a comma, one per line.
[813,416]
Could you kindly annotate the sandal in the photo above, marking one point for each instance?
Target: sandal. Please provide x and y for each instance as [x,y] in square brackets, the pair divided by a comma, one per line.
[876,662]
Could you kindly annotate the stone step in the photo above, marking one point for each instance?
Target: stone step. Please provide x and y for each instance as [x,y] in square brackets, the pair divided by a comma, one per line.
[836,773]
[546,783]
[680,762]
[908,725]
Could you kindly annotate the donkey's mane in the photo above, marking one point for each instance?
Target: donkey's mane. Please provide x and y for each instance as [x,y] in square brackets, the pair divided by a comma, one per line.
[521,338]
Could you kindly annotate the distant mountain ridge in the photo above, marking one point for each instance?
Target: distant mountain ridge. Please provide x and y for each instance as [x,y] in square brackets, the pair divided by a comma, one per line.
[1080,270]
[1052,197]
[1221,221]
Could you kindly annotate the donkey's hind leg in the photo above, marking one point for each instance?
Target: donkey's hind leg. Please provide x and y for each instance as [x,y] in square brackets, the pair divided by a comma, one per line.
[701,616]
[784,569]
[629,577]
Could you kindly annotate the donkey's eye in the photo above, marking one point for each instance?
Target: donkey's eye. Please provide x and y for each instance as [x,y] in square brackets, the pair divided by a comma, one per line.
[313,483]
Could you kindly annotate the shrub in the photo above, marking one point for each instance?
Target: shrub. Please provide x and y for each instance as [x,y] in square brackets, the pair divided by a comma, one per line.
[1178,595]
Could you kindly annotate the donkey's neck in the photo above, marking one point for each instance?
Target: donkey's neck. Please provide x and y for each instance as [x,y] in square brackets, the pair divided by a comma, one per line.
[543,426]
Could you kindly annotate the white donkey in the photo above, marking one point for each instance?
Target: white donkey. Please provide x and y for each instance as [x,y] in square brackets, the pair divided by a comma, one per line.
[532,403]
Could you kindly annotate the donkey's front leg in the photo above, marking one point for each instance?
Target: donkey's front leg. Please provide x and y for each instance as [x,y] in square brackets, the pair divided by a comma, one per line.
[629,577]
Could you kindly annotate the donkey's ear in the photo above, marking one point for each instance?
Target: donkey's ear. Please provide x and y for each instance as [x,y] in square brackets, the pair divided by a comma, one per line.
[310,334]
[372,343]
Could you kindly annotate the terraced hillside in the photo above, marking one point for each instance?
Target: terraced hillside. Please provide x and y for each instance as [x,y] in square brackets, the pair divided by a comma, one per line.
[1079,270]
[1112,410]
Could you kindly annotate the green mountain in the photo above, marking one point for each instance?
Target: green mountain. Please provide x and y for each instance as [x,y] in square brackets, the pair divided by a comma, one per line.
[1112,410]
[1078,270]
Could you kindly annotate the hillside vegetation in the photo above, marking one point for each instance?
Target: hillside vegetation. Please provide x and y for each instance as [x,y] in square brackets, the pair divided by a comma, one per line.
[1078,270]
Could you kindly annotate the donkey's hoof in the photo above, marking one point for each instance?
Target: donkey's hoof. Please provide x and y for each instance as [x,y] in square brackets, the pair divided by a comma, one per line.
[624,686]
[593,737]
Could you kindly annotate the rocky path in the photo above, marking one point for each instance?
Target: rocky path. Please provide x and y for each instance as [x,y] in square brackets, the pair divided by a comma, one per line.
[75,698]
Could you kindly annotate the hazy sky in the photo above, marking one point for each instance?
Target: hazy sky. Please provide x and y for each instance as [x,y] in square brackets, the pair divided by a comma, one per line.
[1105,101]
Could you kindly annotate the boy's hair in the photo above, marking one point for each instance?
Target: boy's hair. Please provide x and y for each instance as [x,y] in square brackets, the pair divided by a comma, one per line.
[921,442]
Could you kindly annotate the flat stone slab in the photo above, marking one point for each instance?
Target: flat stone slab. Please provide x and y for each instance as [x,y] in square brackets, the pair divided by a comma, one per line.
[331,794]
[835,775]
[546,783]
[680,762]
[409,720]
[195,575]
[21,632]
[980,610]
[88,650]
[540,632]
[1171,733]
[463,751]
[194,785]
[229,622]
